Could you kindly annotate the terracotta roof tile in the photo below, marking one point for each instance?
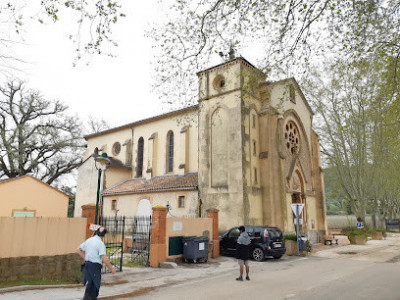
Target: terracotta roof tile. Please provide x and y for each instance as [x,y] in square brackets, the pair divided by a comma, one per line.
[188,181]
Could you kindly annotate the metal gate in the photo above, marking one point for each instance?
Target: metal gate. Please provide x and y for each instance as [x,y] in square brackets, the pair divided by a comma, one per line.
[140,239]
[114,241]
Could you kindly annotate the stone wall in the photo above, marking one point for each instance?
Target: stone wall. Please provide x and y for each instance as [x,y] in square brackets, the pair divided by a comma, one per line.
[38,267]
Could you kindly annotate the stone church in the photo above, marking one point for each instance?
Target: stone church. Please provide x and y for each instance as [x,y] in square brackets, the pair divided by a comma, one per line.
[247,149]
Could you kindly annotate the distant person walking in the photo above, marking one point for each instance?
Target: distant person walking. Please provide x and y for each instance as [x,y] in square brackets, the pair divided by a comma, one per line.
[93,251]
[243,253]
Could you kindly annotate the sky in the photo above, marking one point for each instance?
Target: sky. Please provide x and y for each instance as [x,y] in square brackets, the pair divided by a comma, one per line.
[117,89]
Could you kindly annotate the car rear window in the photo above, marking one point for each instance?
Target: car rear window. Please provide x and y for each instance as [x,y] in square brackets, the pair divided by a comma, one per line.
[258,231]
[274,232]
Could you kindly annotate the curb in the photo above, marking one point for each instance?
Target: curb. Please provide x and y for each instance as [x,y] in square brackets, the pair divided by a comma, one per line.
[22,288]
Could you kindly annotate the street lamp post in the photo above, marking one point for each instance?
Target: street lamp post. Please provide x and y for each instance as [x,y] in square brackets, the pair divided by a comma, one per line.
[103,160]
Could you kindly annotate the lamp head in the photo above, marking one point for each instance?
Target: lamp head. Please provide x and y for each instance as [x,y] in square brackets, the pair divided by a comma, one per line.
[103,159]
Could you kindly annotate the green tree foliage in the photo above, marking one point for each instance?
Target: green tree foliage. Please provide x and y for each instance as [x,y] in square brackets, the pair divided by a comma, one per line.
[71,202]
[335,199]
[37,137]
[358,105]
[346,207]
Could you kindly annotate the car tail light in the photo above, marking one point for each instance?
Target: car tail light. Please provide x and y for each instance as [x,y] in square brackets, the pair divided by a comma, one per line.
[268,248]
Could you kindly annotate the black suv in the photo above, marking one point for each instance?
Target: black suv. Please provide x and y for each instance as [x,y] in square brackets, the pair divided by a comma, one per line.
[265,241]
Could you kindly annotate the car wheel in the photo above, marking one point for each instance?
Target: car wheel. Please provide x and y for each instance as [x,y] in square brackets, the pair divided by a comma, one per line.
[277,256]
[258,254]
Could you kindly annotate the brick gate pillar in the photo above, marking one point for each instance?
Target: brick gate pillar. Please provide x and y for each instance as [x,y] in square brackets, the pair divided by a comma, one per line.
[158,246]
[89,212]
[213,214]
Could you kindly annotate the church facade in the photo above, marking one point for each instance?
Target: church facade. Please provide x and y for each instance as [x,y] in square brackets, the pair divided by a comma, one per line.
[247,149]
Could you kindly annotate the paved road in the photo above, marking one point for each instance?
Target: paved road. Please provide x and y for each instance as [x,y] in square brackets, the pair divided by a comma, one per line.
[310,278]
[348,272]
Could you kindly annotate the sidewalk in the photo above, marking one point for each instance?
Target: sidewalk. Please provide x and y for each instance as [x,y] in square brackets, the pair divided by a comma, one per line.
[130,282]
[374,250]
[342,241]
[135,281]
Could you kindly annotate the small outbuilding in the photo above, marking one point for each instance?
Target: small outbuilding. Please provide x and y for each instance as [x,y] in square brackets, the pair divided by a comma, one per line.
[27,196]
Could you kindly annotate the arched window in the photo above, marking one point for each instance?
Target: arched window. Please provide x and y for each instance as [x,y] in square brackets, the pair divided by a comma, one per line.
[219,148]
[170,151]
[139,167]
[144,208]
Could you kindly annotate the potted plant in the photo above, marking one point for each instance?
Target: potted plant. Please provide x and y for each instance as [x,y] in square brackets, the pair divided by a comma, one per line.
[308,249]
[376,234]
[291,243]
[357,237]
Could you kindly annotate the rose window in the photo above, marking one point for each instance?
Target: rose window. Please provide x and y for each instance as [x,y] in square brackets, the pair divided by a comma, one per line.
[292,138]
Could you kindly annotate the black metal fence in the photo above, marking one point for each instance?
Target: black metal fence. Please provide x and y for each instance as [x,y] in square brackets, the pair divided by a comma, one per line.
[114,241]
[138,237]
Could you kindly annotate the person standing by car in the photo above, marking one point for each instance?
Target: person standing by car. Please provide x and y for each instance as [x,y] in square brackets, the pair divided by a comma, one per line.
[243,253]
[93,251]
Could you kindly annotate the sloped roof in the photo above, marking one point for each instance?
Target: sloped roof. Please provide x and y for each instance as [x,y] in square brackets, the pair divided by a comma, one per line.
[147,120]
[188,181]
[38,180]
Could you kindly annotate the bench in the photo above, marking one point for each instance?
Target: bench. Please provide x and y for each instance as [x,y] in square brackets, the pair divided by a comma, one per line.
[330,238]
[334,231]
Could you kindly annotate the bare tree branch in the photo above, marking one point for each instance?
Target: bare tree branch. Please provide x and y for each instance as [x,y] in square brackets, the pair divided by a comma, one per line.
[36,137]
